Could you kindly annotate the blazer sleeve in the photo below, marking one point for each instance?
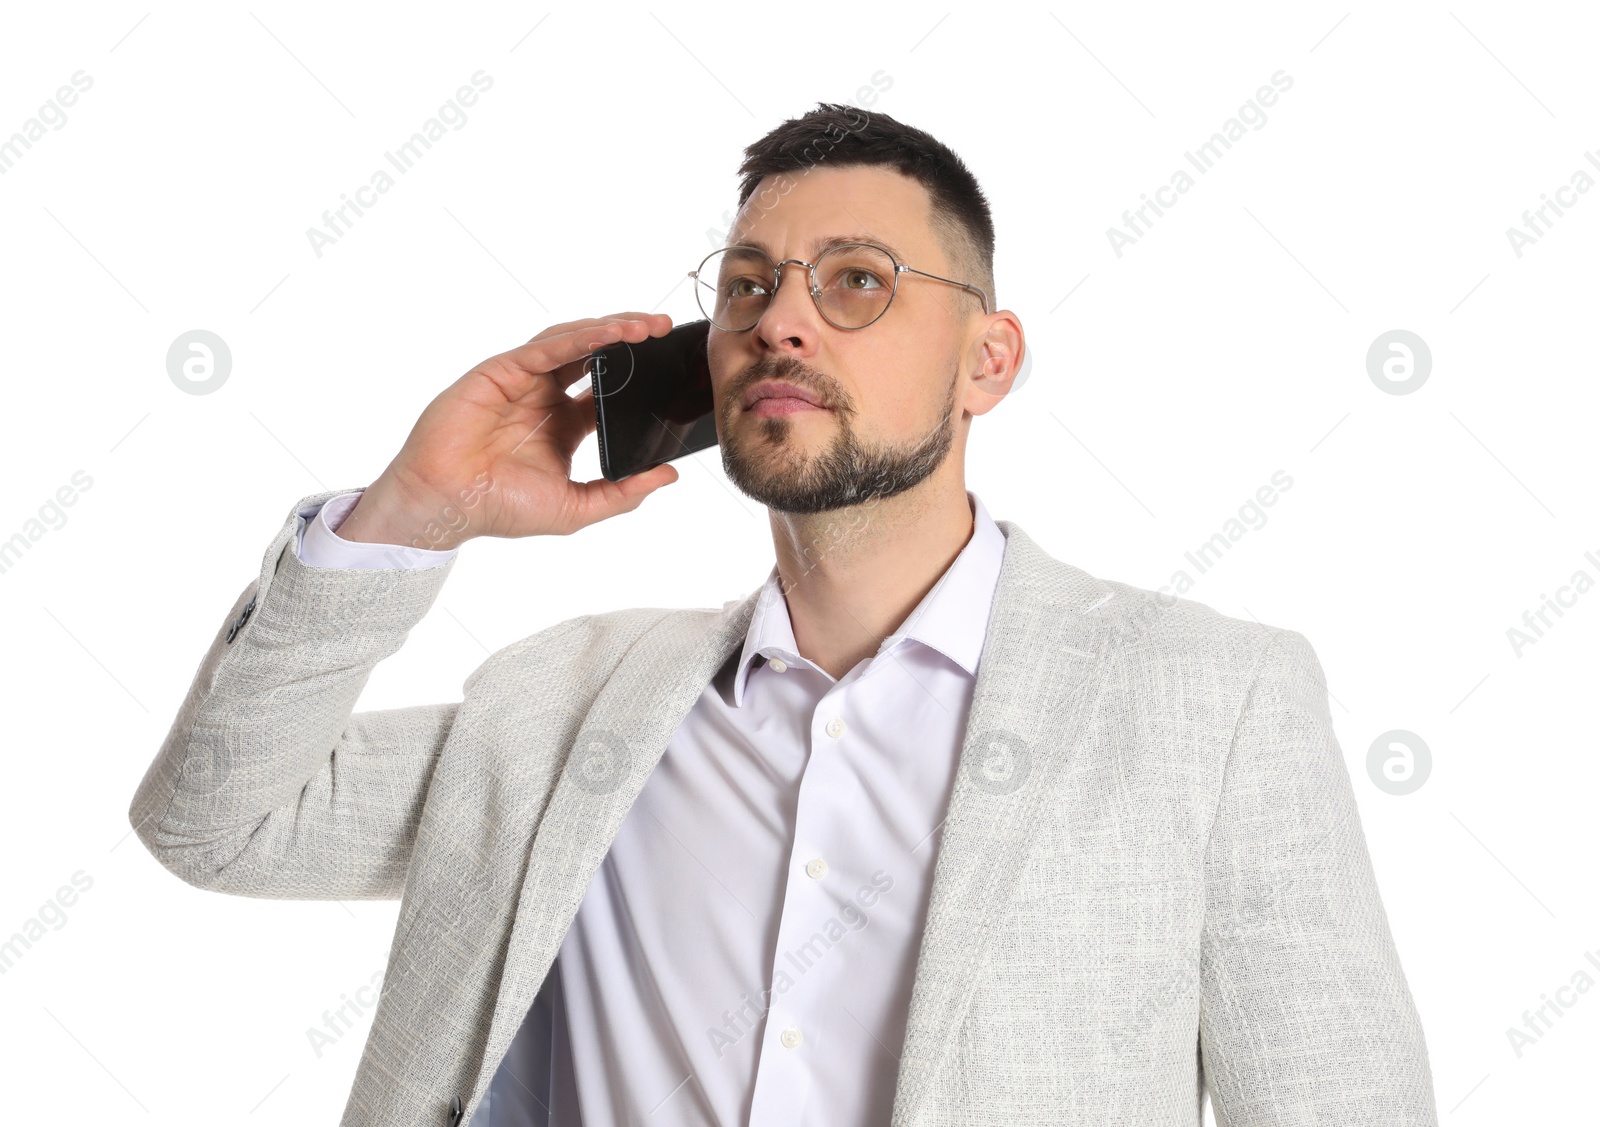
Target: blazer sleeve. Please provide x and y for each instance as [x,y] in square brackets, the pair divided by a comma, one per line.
[266,784]
[1305,1016]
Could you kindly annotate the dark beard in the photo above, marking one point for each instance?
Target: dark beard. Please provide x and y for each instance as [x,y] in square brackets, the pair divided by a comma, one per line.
[846,473]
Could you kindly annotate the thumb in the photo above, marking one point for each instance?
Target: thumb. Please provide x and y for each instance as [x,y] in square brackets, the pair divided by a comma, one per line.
[603,498]
[640,485]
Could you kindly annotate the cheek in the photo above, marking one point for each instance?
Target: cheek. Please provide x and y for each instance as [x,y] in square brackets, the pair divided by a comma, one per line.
[895,414]
[901,392]
[724,361]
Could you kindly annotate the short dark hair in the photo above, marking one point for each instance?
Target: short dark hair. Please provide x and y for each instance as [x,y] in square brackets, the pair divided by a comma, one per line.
[842,136]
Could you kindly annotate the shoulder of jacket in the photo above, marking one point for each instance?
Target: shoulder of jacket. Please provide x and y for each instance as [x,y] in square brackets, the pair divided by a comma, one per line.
[1159,621]
[1152,625]
[1171,640]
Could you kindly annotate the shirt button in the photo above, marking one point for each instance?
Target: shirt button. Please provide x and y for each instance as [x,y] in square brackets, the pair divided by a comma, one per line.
[778,664]
[790,1038]
[817,868]
[835,727]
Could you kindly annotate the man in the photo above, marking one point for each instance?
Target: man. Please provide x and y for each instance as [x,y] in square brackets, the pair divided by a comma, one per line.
[932,828]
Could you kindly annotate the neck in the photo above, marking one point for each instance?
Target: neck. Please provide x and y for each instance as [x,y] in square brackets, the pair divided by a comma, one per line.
[851,576]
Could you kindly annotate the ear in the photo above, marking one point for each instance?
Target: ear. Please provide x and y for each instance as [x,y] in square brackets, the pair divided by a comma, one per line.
[994,357]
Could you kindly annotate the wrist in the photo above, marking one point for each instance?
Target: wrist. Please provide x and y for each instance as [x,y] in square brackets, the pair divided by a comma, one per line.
[383,515]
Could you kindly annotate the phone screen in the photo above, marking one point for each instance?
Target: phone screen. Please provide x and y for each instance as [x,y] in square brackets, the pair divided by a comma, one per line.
[652,400]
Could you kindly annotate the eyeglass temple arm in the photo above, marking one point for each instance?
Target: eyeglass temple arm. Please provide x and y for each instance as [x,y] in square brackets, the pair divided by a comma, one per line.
[952,281]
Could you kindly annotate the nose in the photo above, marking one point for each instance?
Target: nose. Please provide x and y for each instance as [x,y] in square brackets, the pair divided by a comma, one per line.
[782,321]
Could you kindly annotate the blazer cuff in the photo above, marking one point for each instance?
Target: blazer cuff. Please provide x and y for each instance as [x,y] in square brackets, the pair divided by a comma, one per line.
[292,600]
[319,545]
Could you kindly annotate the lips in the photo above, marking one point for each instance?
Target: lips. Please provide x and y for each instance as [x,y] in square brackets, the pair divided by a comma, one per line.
[779,389]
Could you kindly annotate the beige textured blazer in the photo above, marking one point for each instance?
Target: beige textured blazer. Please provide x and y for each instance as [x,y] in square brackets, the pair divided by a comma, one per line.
[1152,880]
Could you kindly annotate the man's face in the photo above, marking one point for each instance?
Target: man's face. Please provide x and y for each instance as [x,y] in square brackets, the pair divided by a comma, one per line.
[889,391]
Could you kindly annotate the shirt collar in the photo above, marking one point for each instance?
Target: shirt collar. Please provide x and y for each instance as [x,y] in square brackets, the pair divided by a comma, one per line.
[952,617]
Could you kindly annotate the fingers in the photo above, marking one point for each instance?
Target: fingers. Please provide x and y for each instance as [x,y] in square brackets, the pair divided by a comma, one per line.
[562,356]
[657,320]
[560,353]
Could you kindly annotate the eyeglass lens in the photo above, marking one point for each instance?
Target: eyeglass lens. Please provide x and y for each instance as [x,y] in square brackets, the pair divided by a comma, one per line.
[856,282]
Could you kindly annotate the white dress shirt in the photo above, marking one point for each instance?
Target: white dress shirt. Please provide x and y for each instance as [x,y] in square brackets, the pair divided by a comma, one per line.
[745,952]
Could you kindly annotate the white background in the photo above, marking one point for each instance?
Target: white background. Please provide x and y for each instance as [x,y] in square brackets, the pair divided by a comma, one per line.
[1228,343]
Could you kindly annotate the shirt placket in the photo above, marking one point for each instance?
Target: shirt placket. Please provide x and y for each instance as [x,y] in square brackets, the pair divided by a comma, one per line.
[791,1036]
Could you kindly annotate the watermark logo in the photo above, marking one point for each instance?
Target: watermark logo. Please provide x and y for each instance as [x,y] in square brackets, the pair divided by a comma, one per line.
[1399,361]
[1002,761]
[605,363]
[600,762]
[205,774]
[988,384]
[1399,762]
[199,361]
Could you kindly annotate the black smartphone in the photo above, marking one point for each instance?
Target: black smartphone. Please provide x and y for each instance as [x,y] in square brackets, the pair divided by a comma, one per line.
[652,400]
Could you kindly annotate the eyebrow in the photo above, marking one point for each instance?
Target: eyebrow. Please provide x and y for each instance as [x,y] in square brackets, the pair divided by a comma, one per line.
[826,242]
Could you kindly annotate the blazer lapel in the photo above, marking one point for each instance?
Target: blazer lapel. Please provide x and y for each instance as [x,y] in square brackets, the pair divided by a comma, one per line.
[618,744]
[1045,649]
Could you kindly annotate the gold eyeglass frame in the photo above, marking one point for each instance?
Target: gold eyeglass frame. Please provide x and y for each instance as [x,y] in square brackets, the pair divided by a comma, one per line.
[816,294]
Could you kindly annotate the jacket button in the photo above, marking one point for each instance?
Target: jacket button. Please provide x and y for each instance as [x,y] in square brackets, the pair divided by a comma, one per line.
[455,1110]
[243,616]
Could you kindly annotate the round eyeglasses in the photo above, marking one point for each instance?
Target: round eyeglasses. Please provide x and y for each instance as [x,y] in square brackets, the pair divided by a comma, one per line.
[851,283]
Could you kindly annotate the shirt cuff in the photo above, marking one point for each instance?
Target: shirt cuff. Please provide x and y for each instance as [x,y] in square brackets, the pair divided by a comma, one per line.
[318,545]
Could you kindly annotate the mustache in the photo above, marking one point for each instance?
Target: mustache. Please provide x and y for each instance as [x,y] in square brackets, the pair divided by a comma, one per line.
[790,369]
